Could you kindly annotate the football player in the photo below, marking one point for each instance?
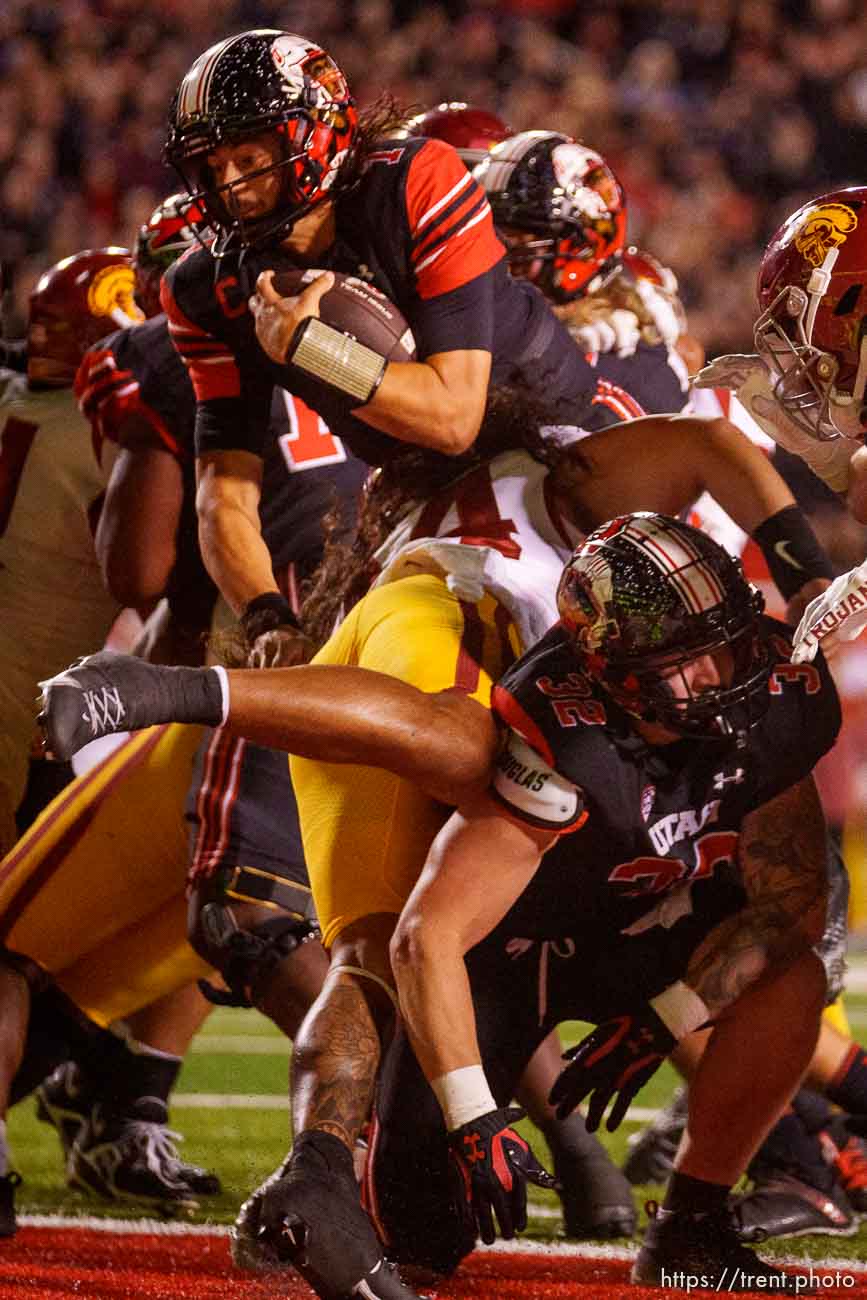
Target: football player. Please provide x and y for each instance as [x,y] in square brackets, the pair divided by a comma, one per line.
[265,134]
[562,214]
[687,864]
[500,534]
[51,485]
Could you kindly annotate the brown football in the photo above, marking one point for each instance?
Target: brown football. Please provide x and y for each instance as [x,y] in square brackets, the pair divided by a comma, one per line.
[356,308]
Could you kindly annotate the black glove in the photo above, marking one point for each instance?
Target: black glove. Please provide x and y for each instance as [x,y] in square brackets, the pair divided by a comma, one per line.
[616,1059]
[495,1163]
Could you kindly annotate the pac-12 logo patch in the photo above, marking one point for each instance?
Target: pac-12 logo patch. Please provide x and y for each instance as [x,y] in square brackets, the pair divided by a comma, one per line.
[648,794]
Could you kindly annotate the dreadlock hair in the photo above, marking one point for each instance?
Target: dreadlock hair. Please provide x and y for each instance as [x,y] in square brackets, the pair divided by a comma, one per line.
[513,420]
[384,119]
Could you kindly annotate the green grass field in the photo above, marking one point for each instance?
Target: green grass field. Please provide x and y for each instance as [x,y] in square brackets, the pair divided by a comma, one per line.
[238,1057]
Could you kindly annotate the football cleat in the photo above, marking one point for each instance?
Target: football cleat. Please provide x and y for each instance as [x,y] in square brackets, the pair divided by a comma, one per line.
[307,1214]
[105,693]
[708,1247]
[8,1183]
[651,1150]
[597,1199]
[785,1206]
[62,1101]
[135,1158]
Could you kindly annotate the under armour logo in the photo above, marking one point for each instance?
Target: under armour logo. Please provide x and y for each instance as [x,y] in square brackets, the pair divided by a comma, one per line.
[721,780]
[473,1153]
[104,710]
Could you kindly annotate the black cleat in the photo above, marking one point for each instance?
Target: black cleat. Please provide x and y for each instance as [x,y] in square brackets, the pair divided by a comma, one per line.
[704,1250]
[651,1150]
[8,1183]
[597,1199]
[785,1206]
[308,1215]
[134,1158]
[62,1101]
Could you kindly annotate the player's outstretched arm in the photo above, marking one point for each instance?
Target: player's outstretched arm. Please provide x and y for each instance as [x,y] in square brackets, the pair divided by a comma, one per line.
[477,866]
[444,742]
[672,460]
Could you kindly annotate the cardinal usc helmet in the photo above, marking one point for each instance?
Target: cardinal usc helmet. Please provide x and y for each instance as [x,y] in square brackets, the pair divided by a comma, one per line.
[174,226]
[559,209]
[74,305]
[261,82]
[645,595]
[472,131]
[812,333]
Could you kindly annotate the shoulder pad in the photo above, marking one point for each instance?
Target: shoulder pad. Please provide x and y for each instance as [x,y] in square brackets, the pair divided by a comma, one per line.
[533,790]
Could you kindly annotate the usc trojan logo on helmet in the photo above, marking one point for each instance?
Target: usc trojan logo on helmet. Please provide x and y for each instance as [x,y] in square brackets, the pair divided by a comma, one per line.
[112,290]
[826,227]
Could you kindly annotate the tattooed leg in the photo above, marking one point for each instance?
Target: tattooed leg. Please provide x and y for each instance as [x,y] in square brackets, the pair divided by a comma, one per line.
[337,1050]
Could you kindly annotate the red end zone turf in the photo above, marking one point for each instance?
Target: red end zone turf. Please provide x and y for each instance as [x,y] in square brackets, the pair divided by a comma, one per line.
[89,1264]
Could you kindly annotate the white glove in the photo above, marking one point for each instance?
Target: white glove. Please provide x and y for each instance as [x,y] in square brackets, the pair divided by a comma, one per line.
[618,332]
[749,378]
[669,326]
[730,371]
[839,614]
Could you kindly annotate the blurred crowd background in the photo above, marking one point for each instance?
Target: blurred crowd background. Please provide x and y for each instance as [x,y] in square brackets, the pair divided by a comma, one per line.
[720,116]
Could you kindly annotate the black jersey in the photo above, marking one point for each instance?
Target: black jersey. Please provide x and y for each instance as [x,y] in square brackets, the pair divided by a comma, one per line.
[646,383]
[307,470]
[419,228]
[654,829]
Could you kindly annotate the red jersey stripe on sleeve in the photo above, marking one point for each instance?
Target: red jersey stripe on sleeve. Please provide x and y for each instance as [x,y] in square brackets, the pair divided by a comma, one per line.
[507,708]
[212,368]
[107,396]
[617,400]
[450,222]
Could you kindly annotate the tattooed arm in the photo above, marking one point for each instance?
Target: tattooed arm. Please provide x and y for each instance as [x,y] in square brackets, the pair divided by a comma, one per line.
[783,859]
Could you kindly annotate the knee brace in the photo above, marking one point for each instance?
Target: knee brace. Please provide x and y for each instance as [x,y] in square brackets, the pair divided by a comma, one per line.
[246,958]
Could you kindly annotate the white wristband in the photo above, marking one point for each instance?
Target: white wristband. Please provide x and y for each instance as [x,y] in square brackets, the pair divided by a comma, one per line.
[463,1095]
[224,690]
[680,1009]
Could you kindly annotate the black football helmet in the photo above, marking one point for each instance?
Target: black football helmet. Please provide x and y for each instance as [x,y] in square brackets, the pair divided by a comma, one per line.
[175,225]
[645,595]
[262,81]
[548,185]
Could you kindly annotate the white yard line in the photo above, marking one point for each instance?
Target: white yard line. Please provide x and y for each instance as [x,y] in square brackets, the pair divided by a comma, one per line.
[586,1250]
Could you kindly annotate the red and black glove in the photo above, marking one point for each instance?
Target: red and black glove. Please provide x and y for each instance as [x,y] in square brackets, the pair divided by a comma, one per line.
[615,1060]
[495,1164]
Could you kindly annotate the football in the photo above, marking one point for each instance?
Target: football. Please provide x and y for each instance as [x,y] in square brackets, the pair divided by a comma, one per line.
[358,309]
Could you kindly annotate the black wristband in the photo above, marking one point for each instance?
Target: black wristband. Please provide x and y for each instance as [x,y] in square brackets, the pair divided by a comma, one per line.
[792,551]
[266,612]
